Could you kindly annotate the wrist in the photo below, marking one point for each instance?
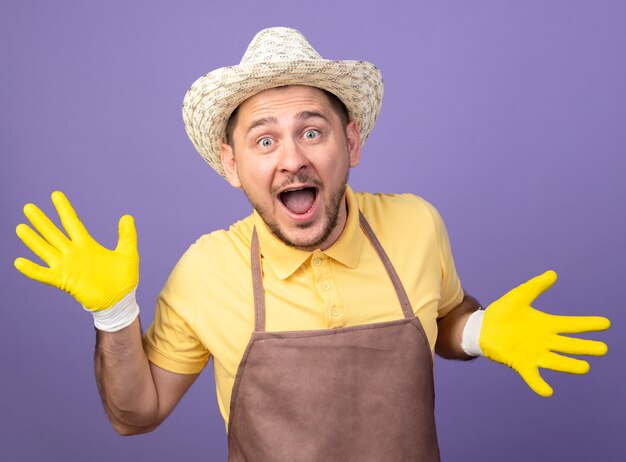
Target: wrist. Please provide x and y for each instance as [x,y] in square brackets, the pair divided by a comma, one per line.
[471,334]
[117,317]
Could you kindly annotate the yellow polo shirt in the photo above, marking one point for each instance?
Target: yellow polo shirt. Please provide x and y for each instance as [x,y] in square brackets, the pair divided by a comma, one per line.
[206,307]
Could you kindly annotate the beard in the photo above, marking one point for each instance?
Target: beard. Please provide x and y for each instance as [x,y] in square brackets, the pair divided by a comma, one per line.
[330,218]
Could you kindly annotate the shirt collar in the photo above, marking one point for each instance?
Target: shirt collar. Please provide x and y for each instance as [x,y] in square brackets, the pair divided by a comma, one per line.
[285,260]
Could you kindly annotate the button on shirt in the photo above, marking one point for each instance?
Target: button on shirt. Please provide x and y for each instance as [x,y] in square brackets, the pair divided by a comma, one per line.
[206,307]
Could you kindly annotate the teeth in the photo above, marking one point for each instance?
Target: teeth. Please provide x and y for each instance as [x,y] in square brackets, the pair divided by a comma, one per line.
[295,189]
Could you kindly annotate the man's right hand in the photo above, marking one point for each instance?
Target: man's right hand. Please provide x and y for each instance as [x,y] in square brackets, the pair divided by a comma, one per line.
[98,278]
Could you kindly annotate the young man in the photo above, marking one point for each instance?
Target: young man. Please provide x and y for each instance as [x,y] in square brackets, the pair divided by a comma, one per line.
[322,309]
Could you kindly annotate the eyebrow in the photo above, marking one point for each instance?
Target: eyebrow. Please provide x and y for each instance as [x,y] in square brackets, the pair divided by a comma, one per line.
[304,115]
[261,122]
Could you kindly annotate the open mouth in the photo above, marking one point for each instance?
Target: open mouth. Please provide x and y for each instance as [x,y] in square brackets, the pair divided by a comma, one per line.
[299,201]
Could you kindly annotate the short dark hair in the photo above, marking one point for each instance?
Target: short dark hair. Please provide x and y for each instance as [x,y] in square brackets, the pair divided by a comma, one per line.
[340,109]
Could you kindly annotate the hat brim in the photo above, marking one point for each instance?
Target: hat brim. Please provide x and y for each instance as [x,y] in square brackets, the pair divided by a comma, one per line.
[212,98]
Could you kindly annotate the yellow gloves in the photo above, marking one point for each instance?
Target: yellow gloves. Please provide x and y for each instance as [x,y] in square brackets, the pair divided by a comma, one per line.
[525,339]
[97,277]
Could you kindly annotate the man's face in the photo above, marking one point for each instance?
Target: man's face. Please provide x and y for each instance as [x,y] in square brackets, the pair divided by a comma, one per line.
[291,153]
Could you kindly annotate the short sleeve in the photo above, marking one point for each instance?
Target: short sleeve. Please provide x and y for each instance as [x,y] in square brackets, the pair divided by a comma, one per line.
[451,289]
[171,341]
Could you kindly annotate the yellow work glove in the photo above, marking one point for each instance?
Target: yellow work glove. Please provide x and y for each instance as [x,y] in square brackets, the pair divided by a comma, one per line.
[525,339]
[102,280]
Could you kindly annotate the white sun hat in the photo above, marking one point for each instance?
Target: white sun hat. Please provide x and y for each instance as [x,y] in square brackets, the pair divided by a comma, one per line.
[276,57]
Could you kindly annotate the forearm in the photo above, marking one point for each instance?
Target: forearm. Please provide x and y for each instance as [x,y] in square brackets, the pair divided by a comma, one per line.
[450,329]
[125,380]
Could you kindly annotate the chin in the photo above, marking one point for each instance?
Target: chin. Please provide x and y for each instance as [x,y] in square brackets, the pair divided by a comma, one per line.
[306,238]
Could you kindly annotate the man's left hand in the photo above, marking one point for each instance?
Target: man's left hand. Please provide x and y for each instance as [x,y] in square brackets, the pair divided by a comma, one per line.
[525,339]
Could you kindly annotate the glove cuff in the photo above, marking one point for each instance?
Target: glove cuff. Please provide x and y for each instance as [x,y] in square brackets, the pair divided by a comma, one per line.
[119,316]
[471,334]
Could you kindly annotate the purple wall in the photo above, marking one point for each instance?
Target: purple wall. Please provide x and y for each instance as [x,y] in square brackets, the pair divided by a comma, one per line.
[508,116]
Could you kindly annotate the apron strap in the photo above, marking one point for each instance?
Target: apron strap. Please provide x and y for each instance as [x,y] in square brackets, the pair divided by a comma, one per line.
[395,280]
[257,276]
[257,284]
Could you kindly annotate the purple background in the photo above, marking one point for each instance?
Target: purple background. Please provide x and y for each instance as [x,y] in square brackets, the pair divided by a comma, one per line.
[509,116]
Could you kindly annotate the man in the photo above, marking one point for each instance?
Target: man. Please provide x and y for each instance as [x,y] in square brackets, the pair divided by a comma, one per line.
[322,309]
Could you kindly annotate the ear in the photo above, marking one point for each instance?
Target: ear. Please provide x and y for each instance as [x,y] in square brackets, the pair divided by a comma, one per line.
[354,143]
[230,165]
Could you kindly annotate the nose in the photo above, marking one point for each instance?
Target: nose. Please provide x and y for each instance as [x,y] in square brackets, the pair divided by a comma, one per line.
[293,157]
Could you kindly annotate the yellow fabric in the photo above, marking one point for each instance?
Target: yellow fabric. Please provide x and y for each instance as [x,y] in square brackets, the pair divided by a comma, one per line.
[525,339]
[94,275]
[206,308]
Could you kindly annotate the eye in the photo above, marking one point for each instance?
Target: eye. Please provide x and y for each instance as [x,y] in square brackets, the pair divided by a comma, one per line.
[311,134]
[265,142]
